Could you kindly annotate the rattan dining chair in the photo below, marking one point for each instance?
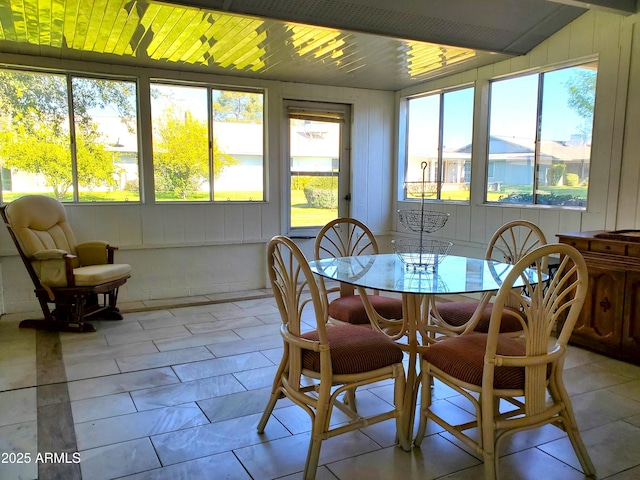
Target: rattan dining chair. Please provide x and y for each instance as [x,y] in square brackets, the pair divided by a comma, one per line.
[492,370]
[344,237]
[509,243]
[320,366]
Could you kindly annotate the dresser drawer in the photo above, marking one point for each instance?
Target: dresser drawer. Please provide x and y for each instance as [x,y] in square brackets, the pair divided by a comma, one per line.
[580,244]
[608,247]
[633,250]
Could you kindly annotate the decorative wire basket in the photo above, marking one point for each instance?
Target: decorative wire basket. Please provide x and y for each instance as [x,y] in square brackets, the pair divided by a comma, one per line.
[425,253]
[422,221]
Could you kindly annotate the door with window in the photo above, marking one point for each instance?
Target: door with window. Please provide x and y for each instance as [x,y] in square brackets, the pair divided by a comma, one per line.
[318,149]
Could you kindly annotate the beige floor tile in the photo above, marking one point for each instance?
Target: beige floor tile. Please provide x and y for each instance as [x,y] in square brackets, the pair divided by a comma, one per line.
[594,409]
[81,371]
[222,336]
[114,461]
[102,407]
[257,378]
[106,431]
[21,375]
[19,439]
[223,466]
[145,335]
[238,404]
[435,459]
[245,346]
[170,319]
[631,474]
[257,331]
[18,406]
[163,359]
[586,378]
[177,393]
[214,438]
[220,366]
[287,455]
[215,325]
[613,447]
[124,382]
[106,353]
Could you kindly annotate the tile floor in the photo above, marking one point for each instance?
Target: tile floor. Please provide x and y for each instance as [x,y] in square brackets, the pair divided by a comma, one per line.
[176,393]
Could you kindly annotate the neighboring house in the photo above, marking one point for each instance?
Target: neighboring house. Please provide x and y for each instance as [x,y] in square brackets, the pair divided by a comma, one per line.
[510,161]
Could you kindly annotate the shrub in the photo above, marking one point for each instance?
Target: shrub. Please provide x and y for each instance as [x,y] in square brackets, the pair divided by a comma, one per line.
[132,186]
[321,192]
[551,199]
[571,179]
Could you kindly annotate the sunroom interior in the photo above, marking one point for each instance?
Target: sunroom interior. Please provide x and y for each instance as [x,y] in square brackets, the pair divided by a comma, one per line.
[363,64]
[188,249]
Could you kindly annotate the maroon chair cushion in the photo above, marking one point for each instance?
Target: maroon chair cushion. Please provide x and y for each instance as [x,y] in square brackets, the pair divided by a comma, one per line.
[353,350]
[459,313]
[350,308]
[463,358]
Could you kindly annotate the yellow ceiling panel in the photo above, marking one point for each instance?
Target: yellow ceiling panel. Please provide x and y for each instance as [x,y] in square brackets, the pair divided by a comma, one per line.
[147,31]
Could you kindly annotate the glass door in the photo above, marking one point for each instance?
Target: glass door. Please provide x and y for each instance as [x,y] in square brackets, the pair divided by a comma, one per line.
[318,153]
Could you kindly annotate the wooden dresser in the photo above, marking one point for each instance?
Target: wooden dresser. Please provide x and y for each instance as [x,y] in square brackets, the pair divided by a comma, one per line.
[610,318]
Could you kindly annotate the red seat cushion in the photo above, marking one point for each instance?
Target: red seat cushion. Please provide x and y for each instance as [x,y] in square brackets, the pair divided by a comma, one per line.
[459,313]
[350,308]
[463,358]
[353,350]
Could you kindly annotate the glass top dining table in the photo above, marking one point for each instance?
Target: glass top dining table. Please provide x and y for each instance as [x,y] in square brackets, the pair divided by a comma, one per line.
[419,287]
[386,272]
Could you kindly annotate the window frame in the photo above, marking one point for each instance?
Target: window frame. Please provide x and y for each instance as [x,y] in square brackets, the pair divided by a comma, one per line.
[210,87]
[69,75]
[489,168]
[404,129]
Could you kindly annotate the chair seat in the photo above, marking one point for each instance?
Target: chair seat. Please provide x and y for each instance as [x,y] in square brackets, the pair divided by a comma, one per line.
[463,358]
[98,274]
[350,308]
[459,313]
[353,350]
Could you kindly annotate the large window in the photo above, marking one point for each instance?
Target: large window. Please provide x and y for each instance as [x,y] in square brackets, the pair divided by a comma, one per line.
[438,158]
[540,137]
[207,143]
[70,137]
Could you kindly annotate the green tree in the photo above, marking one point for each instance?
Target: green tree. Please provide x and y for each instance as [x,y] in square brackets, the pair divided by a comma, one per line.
[582,95]
[35,132]
[243,107]
[181,154]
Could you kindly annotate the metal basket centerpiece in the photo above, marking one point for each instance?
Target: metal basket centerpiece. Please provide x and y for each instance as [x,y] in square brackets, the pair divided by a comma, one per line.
[421,253]
[422,221]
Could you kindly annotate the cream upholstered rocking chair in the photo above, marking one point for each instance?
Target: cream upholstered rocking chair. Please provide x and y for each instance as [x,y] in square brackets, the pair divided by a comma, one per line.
[508,244]
[492,370]
[344,237]
[80,280]
[321,365]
